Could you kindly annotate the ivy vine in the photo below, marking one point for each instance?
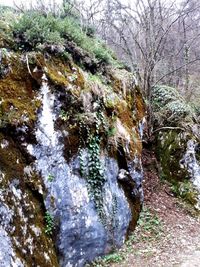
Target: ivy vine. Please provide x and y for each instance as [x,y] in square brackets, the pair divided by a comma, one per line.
[49,223]
[91,168]
[96,178]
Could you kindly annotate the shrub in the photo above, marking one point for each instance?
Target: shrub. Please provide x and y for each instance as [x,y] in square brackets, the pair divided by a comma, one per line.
[6,16]
[34,28]
[101,52]
[89,30]
[169,105]
[162,95]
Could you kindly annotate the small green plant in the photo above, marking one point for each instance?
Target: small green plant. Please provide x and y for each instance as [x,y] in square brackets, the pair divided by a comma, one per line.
[101,121]
[4,52]
[50,177]
[73,77]
[63,115]
[150,225]
[111,131]
[95,78]
[96,177]
[49,223]
[65,55]
[107,260]
[89,30]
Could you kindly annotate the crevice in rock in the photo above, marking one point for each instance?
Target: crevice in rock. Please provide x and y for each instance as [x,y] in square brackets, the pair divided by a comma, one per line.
[129,187]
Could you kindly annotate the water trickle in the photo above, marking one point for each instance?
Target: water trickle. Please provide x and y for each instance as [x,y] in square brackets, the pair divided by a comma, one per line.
[141,127]
[45,132]
[48,151]
[190,162]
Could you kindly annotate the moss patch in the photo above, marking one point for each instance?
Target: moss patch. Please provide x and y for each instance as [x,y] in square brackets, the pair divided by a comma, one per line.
[171,147]
[17,103]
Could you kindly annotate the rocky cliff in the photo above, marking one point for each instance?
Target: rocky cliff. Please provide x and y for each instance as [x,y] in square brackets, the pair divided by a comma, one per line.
[177,142]
[70,168]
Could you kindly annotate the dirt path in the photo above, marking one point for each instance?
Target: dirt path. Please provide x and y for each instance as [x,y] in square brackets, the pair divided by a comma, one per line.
[168,234]
[192,260]
[176,244]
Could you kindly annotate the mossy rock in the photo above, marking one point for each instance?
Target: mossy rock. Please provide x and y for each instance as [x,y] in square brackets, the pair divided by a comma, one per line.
[170,148]
[100,113]
[176,120]
[18,103]
[170,107]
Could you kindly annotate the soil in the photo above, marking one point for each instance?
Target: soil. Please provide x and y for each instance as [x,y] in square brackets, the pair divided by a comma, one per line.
[173,238]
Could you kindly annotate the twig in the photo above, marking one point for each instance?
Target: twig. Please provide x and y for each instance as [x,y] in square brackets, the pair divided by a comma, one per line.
[28,66]
[168,128]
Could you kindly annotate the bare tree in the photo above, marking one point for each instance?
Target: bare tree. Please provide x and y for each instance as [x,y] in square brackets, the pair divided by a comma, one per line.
[154,37]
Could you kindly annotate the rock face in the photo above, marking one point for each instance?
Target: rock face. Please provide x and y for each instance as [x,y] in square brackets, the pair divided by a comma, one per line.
[70,169]
[177,142]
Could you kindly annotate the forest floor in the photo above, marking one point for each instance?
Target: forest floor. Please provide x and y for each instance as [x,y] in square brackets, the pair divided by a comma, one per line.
[168,231]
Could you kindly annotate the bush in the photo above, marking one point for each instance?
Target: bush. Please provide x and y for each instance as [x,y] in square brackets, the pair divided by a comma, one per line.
[163,94]
[169,105]
[34,28]
[6,16]
[179,109]
[89,30]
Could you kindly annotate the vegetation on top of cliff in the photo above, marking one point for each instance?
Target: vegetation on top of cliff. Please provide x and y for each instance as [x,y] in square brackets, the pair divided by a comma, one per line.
[34,30]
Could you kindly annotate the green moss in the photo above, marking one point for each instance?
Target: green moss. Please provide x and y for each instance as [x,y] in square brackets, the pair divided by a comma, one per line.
[17,94]
[65,74]
[111,100]
[95,78]
[171,147]
[140,106]
[11,160]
